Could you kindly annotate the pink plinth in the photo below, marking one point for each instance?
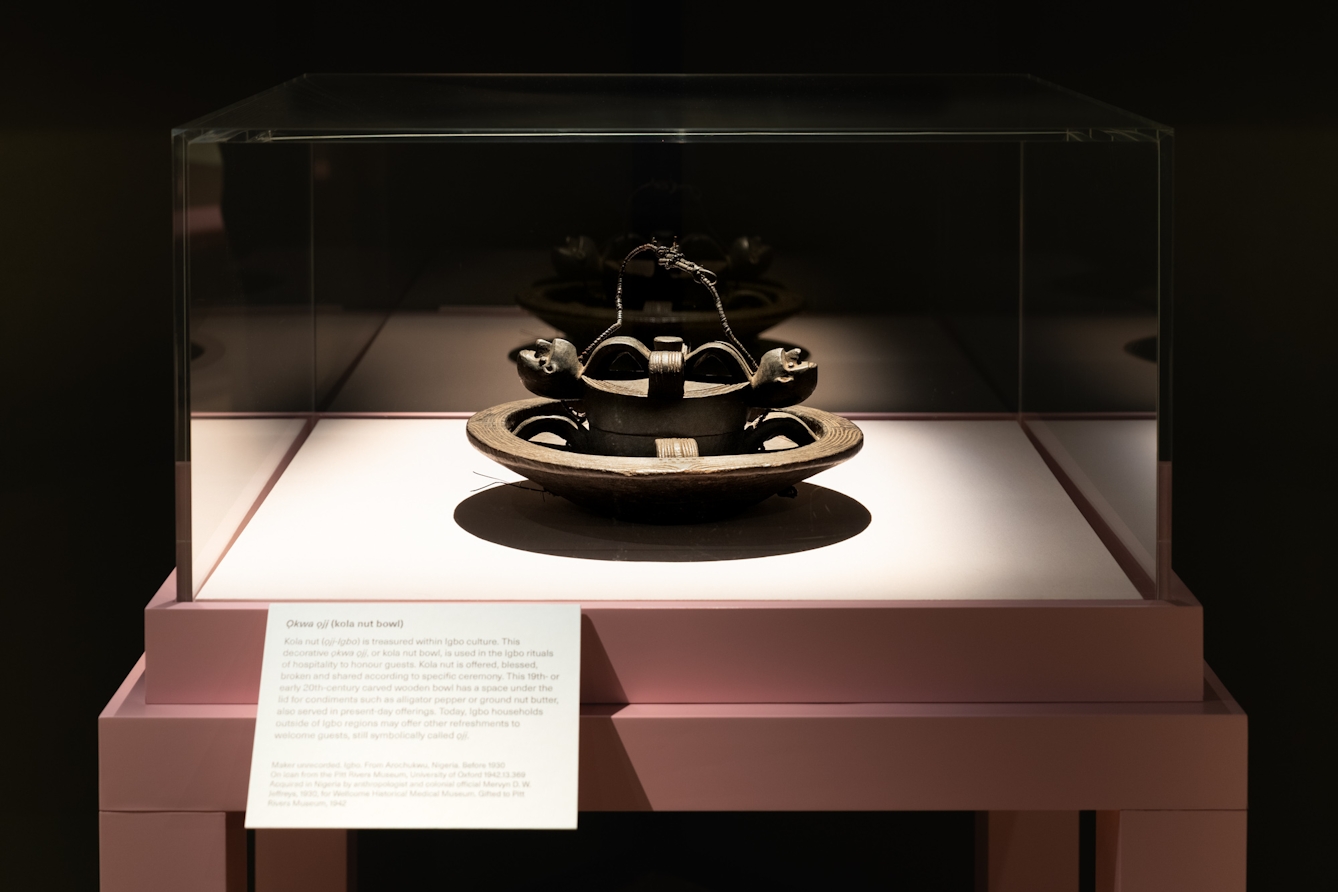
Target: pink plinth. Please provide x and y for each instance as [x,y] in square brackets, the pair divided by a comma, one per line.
[1171,851]
[302,861]
[970,757]
[1026,713]
[1030,851]
[802,651]
[172,852]
[789,757]
[195,757]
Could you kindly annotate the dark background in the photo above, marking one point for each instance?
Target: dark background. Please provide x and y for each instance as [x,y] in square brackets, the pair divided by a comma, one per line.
[86,103]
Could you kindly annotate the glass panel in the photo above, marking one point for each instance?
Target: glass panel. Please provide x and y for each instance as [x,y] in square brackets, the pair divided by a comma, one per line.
[986,249]
[250,348]
[404,106]
[1091,283]
[249,278]
[904,254]
[360,269]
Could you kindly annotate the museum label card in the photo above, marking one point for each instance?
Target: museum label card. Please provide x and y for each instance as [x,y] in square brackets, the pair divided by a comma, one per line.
[417,716]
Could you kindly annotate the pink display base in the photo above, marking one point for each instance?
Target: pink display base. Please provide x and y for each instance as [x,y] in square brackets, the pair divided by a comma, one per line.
[1018,851]
[171,851]
[791,757]
[1027,851]
[775,652]
[1171,851]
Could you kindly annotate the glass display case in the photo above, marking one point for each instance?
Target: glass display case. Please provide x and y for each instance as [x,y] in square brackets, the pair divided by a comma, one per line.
[972,611]
[979,267]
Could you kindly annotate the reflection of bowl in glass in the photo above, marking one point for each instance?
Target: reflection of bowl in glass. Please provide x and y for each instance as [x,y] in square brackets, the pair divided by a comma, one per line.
[581,311]
[1143,348]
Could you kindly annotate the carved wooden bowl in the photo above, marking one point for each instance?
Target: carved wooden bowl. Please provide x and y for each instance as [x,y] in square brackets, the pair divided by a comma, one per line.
[660,490]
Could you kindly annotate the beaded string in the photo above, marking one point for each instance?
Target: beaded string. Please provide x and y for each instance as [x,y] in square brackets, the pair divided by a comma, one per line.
[672,258]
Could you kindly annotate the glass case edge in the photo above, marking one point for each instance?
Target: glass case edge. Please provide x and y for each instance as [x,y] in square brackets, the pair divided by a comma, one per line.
[181,361]
[1165,296]
[264,135]
[202,123]
[1165,358]
[1161,128]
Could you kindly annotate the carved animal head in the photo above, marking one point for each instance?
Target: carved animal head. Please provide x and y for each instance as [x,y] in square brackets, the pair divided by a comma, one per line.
[749,257]
[783,379]
[552,369]
[577,258]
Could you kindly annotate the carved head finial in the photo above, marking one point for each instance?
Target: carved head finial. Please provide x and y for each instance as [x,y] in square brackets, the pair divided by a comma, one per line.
[552,369]
[783,379]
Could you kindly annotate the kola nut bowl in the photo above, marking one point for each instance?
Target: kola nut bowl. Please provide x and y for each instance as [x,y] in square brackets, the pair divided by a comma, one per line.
[664,434]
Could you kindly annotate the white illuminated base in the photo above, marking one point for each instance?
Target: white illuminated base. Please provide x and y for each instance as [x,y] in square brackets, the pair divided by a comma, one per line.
[958,510]
[1112,463]
[232,459]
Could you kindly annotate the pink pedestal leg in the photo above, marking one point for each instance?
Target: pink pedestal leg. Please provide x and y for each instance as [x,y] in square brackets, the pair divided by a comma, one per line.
[303,861]
[1028,851]
[1170,851]
[172,852]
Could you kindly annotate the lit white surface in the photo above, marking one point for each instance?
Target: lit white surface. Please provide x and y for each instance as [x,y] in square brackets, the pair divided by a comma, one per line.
[231,461]
[960,510]
[1113,463]
[418,716]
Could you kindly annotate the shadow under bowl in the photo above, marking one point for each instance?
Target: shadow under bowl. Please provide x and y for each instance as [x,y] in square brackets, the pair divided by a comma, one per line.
[526,517]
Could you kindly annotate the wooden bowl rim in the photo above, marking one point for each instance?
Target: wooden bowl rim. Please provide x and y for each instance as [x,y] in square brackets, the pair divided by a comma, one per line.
[490,431]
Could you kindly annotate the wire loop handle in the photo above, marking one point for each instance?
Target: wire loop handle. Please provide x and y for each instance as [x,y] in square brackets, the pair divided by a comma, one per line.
[671,257]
